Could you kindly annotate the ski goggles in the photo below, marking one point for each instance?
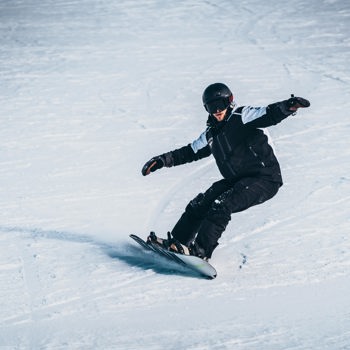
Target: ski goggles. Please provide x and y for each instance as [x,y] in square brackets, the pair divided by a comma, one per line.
[218,105]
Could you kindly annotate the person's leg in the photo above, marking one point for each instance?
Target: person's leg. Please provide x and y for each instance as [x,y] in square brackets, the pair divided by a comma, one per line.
[245,193]
[188,225]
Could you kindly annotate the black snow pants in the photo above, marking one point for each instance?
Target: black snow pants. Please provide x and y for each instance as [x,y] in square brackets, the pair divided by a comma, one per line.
[207,215]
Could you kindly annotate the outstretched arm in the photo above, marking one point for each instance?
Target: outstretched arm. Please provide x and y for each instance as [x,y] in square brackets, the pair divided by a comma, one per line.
[274,113]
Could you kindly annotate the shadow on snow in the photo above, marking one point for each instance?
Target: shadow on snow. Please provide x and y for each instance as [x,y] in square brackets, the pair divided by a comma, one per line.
[128,253]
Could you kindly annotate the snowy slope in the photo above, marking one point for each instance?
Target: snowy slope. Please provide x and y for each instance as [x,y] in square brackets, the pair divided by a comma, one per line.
[90,90]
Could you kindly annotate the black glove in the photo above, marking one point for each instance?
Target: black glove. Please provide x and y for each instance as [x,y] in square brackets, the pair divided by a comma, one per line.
[297,102]
[158,162]
[153,164]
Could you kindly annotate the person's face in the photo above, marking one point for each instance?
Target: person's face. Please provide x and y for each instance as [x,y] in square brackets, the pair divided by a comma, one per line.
[218,108]
[220,115]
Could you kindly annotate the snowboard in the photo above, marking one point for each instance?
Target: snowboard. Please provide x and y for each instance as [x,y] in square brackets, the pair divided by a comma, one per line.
[198,265]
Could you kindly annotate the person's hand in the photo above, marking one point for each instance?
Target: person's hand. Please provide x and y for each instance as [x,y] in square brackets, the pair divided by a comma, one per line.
[152,165]
[297,102]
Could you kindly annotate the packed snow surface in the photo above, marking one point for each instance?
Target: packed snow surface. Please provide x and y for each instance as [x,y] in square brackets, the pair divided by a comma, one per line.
[90,90]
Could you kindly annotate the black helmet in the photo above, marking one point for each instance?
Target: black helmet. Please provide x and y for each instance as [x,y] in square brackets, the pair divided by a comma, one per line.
[217,97]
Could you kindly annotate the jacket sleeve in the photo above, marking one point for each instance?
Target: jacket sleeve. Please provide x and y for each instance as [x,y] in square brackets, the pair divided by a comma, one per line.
[196,150]
[185,154]
[262,117]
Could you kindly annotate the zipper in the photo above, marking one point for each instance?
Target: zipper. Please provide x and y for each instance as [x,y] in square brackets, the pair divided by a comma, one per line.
[256,155]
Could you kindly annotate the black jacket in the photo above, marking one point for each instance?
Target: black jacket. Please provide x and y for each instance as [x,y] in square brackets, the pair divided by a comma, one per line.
[238,144]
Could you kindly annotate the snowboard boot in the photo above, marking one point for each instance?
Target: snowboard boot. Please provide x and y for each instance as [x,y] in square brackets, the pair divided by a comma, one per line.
[198,251]
[173,245]
[193,249]
[170,243]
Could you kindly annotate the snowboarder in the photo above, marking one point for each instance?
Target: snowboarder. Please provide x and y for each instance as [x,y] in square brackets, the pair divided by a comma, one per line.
[250,170]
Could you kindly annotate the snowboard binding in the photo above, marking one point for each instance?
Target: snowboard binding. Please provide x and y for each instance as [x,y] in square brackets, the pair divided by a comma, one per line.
[170,243]
[173,245]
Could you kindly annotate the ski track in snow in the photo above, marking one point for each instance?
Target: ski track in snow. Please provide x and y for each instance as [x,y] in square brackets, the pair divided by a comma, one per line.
[92,90]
